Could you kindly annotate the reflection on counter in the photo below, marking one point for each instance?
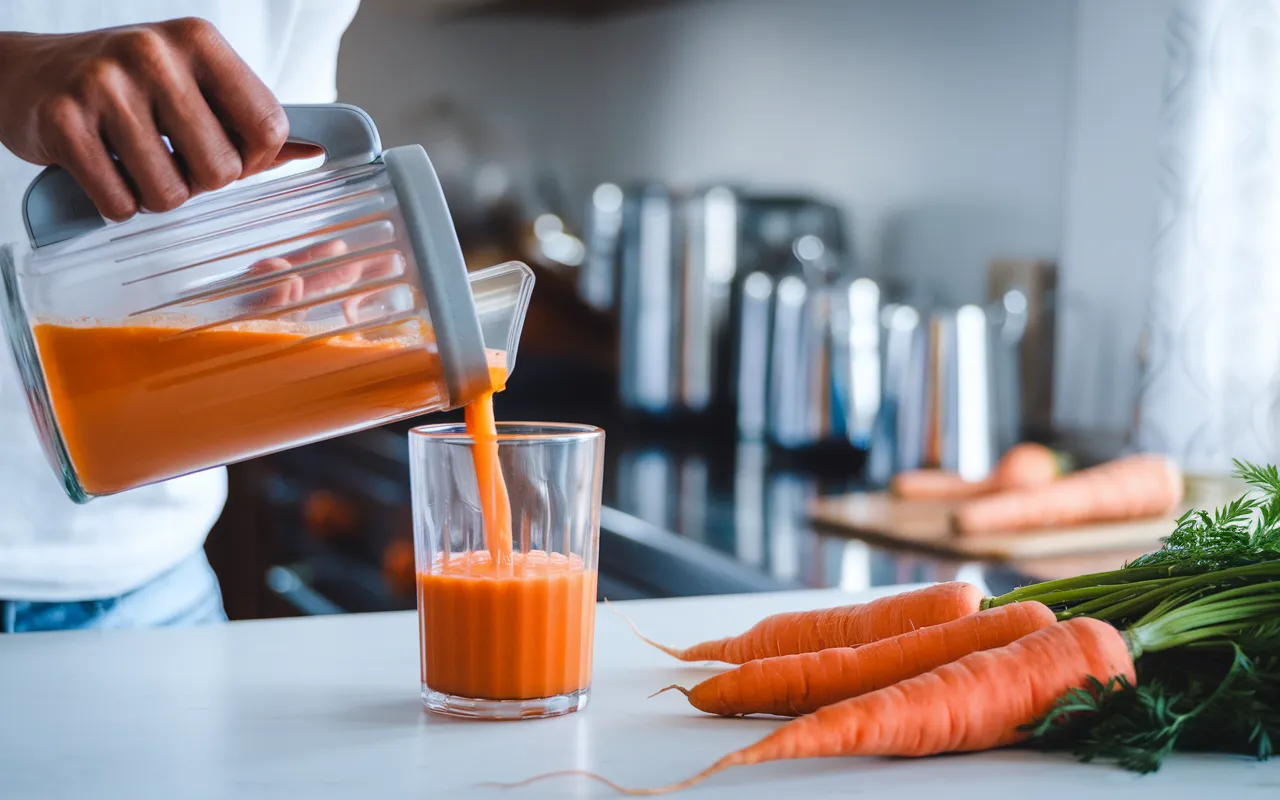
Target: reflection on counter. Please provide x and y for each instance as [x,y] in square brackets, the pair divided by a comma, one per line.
[745,504]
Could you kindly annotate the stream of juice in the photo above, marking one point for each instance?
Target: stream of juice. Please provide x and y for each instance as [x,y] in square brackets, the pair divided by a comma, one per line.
[495,505]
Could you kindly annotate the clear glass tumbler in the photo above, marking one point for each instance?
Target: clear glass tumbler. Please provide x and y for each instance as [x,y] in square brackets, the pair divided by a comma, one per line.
[506,612]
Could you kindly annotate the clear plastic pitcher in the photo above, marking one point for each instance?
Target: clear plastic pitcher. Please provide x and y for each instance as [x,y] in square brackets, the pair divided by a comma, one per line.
[254,319]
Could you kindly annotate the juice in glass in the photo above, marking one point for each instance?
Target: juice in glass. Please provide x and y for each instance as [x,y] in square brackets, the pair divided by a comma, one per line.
[506,528]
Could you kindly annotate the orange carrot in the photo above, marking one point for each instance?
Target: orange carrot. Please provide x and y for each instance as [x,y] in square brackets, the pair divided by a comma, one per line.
[977,703]
[844,626]
[1024,465]
[935,485]
[801,684]
[1133,487]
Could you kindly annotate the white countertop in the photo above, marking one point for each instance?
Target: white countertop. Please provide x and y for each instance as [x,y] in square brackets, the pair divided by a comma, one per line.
[328,707]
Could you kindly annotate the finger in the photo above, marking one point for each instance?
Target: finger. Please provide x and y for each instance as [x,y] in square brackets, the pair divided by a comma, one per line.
[377,302]
[333,278]
[132,134]
[287,291]
[211,161]
[371,267]
[381,265]
[293,288]
[249,111]
[295,151]
[326,249]
[75,145]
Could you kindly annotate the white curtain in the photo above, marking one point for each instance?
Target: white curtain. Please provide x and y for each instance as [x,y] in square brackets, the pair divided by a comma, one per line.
[1211,387]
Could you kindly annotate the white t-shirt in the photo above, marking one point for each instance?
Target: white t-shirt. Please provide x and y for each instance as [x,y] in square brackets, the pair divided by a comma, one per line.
[50,548]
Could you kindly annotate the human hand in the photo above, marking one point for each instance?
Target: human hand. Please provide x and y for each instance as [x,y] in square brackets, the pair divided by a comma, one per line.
[75,100]
[325,281]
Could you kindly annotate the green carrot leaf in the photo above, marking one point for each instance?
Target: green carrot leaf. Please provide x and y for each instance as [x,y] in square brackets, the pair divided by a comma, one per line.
[1219,698]
[1245,530]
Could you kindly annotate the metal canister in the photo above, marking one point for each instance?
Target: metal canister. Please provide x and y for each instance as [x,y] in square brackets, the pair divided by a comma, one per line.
[677,261]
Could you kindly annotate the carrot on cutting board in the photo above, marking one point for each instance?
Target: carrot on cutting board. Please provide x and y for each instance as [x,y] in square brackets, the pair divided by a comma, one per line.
[1023,465]
[1133,487]
[977,703]
[801,684]
[845,626]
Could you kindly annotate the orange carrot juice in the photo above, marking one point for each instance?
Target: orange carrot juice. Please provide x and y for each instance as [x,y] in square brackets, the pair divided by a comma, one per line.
[141,403]
[519,630]
[495,506]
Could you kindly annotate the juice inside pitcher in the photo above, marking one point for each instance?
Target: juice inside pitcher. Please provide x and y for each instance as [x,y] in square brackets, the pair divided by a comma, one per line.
[152,400]
[502,624]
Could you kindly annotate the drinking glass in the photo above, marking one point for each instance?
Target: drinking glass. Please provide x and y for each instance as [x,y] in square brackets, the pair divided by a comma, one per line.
[507,632]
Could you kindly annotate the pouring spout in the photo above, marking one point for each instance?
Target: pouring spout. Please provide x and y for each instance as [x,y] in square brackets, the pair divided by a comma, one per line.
[501,295]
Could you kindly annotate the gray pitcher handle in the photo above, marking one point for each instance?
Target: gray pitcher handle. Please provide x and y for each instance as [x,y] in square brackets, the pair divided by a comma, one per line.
[56,209]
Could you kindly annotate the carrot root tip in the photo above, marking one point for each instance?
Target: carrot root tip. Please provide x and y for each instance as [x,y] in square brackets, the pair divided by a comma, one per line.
[675,686]
[671,651]
[581,773]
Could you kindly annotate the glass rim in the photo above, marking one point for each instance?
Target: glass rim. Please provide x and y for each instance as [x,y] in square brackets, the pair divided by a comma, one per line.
[533,433]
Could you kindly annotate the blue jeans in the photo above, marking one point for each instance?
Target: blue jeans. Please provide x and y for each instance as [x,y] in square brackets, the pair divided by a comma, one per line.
[186,595]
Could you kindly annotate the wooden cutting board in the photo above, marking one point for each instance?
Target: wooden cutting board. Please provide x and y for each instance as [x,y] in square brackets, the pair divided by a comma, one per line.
[925,526]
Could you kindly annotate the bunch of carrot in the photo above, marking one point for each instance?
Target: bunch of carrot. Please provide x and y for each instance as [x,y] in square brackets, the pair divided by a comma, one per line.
[913,674]
[1028,490]
[944,669]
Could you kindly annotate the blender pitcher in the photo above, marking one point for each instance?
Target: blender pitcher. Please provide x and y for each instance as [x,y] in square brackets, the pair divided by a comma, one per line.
[254,319]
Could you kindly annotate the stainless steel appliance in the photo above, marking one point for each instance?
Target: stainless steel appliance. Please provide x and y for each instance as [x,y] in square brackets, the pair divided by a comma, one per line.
[771,225]
[677,257]
[897,434]
[647,374]
[808,367]
[711,228]
[695,280]
[1023,294]
[598,275]
[951,396]
[781,237]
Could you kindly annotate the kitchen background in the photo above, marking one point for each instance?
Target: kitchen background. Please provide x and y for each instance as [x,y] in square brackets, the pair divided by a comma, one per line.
[879,166]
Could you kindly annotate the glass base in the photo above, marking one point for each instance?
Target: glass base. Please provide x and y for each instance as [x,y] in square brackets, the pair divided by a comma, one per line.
[475,708]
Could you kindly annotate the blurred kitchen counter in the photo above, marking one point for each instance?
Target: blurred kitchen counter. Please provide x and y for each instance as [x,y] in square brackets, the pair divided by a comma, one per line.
[695,479]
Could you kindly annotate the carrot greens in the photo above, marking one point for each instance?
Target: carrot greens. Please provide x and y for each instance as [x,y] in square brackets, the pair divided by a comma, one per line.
[1202,618]
[1224,700]
[1245,531]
